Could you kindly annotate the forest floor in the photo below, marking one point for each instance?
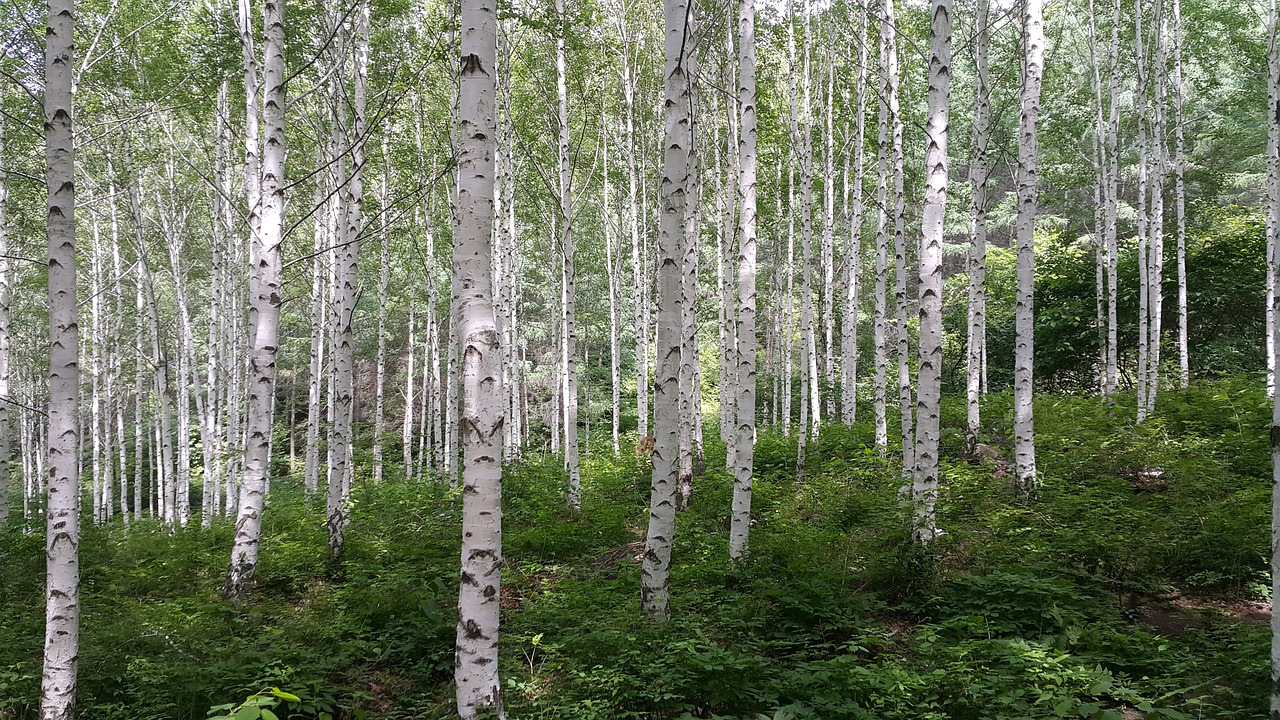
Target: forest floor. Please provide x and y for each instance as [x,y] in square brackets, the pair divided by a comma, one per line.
[1134,584]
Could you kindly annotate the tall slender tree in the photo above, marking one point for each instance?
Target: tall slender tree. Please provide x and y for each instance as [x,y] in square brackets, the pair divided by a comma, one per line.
[266,293]
[1024,427]
[62,531]
[979,173]
[678,139]
[745,406]
[929,407]
[476,670]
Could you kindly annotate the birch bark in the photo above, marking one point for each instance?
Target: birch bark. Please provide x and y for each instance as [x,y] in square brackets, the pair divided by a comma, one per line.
[745,405]
[1273,230]
[656,565]
[266,292]
[853,253]
[881,269]
[476,669]
[6,416]
[979,173]
[62,532]
[892,82]
[1180,198]
[569,326]
[1024,428]
[929,408]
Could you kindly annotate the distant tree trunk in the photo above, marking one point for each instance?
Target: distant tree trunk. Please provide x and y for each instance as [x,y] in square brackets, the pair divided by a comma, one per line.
[406,427]
[384,281]
[1112,200]
[1144,265]
[853,253]
[808,331]
[1180,198]
[1159,163]
[96,341]
[1101,167]
[62,535]
[745,405]
[6,280]
[979,173]
[266,292]
[883,169]
[569,282]
[1024,353]
[476,673]
[690,405]
[828,220]
[1273,230]
[160,360]
[613,272]
[639,261]
[656,565]
[348,281]
[905,405]
[929,409]
[188,380]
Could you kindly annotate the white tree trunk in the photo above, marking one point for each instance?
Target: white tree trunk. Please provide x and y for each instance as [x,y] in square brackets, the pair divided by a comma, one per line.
[827,259]
[568,272]
[62,534]
[690,406]
[384,281]
[266,292]
[656,564]
[807,330]
[979,172]
[6,415]
[159,359]
[902,333]
[479,594]
[1111,201]
[613,271]
[879,319]
[1273,230]
[639,261]
[745,405]
[1144,265]
[348,280]
[929,378]
[1180,198]
[853,253]
[1159,172]
[406,426]
[1024,353]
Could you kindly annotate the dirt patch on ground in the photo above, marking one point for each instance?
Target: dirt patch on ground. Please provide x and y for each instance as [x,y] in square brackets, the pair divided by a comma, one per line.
[1174,616]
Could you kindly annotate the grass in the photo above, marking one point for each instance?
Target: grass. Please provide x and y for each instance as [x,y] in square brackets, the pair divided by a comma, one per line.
[1039,609]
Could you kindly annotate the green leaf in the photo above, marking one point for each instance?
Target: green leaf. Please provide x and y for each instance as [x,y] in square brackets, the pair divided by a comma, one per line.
[248,712]
[268,715]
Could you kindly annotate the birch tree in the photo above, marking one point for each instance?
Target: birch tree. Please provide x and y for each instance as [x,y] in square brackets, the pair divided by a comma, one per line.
[678,137]
[888,86]
[745,405]
[979,173]
[476,668]
[929,408]
[1273,230]
[853,253]
[1024,428]
[6,416]
[62,531]
[568,272]
[266,291]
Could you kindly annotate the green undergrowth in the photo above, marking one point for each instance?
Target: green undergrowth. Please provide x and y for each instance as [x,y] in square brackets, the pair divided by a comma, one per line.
[1040,608]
